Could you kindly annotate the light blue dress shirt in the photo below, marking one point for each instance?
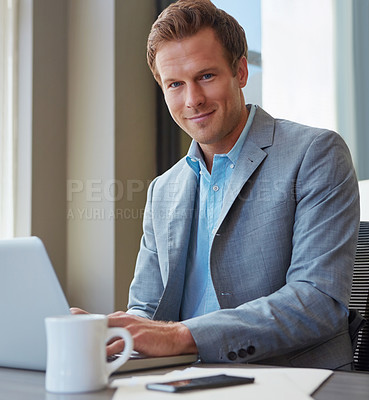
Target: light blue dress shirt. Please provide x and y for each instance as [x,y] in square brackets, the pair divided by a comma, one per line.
[199,296]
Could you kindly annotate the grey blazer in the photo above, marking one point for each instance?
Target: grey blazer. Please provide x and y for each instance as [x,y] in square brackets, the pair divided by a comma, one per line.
[281,259]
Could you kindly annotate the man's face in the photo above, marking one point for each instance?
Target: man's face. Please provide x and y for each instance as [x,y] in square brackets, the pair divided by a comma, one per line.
[203,95]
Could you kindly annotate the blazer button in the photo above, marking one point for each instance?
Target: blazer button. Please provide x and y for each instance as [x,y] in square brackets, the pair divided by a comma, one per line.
[242,353]
[232,355]
[251,350]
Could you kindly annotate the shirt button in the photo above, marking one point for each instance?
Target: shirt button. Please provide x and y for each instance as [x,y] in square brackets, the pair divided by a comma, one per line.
[215,188]
[232,166]
[232,356]
[242,353]
[251,350]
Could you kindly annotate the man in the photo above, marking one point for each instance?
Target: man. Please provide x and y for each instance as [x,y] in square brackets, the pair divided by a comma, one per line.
[249,241]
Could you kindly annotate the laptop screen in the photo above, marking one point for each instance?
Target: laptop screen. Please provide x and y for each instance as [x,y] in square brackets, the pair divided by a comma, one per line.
[29,292]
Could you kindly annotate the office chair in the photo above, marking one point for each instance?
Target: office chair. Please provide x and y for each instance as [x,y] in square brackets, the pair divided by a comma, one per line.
[360,297]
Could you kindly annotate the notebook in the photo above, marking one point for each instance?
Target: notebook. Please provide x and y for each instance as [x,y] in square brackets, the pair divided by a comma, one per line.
[29,292]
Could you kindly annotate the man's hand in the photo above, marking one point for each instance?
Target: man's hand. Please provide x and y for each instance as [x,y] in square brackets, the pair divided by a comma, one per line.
[75,310]
[153,338]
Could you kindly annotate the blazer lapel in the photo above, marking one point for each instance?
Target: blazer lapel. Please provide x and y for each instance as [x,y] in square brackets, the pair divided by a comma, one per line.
[179,229]
[252,155]
[181,211]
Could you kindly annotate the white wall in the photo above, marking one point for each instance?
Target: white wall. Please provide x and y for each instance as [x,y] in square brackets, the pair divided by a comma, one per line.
[90,155]
[24,143]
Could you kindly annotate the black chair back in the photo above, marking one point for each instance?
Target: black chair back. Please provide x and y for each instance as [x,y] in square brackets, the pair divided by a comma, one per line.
[360,296]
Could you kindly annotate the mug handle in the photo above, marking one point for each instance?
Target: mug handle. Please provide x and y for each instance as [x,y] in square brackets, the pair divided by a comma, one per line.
[128,347]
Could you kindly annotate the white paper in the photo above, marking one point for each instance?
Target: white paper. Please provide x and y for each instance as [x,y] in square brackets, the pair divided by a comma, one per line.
[270,383]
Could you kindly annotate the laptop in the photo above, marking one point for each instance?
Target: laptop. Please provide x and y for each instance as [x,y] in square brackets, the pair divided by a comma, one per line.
[30,292]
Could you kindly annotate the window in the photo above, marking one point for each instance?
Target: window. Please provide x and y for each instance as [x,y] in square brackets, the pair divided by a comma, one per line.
[314,66]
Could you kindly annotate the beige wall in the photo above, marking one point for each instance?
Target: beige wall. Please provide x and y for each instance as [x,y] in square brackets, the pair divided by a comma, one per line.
[93,130]
[48,127]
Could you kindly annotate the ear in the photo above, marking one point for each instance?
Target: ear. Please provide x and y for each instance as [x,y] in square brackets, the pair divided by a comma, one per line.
[242,72]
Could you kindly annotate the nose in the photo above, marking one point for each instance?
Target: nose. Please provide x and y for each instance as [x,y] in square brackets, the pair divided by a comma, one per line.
[194,96]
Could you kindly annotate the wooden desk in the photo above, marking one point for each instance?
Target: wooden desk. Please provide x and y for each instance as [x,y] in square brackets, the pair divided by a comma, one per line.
[30,385]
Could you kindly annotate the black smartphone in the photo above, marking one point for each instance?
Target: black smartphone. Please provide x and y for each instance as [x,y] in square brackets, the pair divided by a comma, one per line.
[207,382]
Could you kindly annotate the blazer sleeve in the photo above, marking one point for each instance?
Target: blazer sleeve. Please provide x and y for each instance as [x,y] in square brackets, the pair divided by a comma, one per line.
[147,285]
[312,306]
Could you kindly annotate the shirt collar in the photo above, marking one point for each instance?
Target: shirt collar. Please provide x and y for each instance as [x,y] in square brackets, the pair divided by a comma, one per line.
[194,156]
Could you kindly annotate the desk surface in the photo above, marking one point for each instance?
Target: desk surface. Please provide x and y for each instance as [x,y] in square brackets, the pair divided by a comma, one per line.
[20,384]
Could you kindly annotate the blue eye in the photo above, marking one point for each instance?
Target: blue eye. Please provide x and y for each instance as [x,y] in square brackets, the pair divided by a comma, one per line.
[175,84]
[207,76]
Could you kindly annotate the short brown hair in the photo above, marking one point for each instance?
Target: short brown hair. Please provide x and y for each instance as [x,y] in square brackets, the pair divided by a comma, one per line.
[185,18]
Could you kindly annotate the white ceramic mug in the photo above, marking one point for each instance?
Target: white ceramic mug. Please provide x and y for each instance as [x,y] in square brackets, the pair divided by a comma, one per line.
[76,352]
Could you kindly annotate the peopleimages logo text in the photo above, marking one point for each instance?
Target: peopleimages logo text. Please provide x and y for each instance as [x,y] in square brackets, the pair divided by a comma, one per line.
[97,190]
